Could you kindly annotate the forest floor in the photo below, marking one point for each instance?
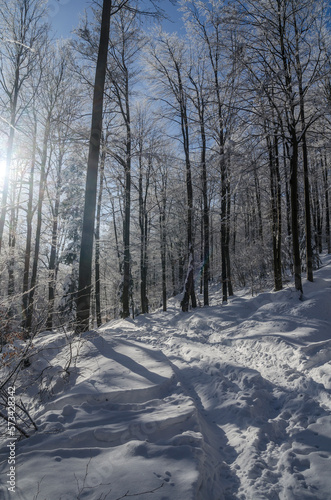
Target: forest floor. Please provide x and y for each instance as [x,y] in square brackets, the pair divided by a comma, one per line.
[224,402]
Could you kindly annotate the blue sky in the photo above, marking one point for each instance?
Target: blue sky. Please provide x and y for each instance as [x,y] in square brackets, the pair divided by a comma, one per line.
[64,15]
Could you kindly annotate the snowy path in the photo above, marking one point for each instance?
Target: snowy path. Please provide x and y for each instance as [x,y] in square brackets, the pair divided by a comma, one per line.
[227,402]
[260,375]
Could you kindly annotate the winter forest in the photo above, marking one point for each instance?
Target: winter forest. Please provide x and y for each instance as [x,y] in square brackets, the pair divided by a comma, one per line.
[207,160]
[165,250]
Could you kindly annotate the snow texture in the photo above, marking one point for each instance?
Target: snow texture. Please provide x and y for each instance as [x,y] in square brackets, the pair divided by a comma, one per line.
[224,402]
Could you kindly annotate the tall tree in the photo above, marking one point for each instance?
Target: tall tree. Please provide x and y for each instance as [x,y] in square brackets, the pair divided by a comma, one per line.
[86,252]
[109,9]
[200,97]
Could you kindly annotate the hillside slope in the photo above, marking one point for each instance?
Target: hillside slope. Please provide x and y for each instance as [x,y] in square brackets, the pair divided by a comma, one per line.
[226,402]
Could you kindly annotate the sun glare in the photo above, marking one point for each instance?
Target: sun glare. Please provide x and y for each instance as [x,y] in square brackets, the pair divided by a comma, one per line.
[2,169]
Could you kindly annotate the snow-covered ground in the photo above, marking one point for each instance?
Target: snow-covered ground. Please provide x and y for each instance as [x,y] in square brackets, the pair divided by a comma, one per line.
[226,402]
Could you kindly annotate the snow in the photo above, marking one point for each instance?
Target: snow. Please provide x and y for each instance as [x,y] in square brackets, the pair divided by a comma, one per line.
[224,402]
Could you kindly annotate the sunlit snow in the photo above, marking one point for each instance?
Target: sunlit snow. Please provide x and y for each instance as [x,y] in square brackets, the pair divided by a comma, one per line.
[225,402]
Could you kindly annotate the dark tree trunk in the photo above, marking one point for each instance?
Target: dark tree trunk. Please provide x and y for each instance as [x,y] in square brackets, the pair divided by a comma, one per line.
[189,291]
[327,205]
[316,211]
[201,249]
[227,243]
[127,285]
[258,203]
[206,273]
[223,231]
[85,261]
[97,242]
[143,223]
[173,274]
[163,257]
[199,103]
[309,251]
[275,197]
[295,211]
[225,207]
[293,155]
[287,196]
[181,263]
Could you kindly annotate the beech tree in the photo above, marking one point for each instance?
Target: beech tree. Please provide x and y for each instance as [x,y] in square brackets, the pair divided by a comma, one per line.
[85,262]
[200,97]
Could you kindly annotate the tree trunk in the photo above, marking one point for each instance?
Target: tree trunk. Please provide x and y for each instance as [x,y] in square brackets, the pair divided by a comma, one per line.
[10,145]
[143,223]
[309,251]
[97,242]
[327,205]
[11,246]
[293,154]
[127,285]
[85,261]
[29,216]
[116,237]
[53,255]
[316,210]
[163,257]
[206,273]
[189,291]
[258,203]
[223,232]
[42,184]
[227,243]
[275,197]
[295,211]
